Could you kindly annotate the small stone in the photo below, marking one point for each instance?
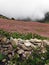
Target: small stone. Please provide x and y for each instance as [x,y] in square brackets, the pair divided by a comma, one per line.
[10,56]
[25,48]
[26,54]
[33,46]
[20,51]
[8,41]
[37,40]
[5,49]
[5,46]
[45,42]
[4,60]
[38,44]
[18,48]
[14,41]
[4,39]
[27,43]
[31,40]
[20,41]
[8,61]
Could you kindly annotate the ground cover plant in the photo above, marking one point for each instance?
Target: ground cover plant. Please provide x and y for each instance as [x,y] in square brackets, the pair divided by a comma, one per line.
[22,36]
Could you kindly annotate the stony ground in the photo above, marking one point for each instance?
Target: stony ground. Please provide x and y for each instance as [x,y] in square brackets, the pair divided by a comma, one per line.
[23,48]
[25,27]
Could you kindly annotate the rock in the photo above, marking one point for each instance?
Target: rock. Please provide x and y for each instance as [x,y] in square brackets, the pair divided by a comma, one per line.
[26,54]
[27,43]
[14,41]
[38,44]
[20,51]
[4,60]
[33,46]
[4,39]
[37,41]
[8,41]
[20,41]
[5,46]
[10,56]
[8,63]
[24,47]
[18,48]
[32,40]
[45,42]
[5,49]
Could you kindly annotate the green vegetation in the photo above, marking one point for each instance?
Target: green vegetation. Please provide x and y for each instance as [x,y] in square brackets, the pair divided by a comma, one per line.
[27,36]
[1,56]
[46,19]
[4,33]
[4,17]
[22,36]
[39,37]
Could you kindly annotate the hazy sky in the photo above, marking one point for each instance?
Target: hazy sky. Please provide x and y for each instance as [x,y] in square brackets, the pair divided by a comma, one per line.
[35,9]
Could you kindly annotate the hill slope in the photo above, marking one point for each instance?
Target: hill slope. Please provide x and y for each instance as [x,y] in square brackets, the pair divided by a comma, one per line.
[24,27]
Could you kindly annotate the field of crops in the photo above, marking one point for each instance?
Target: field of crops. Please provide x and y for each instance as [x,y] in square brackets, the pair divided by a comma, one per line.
[25,27]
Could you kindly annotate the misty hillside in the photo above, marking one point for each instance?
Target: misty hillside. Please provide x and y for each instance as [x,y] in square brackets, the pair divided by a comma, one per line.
[46,19]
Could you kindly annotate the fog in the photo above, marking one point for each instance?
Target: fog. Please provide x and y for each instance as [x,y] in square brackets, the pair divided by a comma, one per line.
[33,9]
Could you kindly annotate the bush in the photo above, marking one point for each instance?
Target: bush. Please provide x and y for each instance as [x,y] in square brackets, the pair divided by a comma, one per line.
[12,19]
[4,17]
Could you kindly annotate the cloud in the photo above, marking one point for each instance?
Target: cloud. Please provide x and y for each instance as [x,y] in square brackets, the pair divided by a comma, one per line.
[34,9]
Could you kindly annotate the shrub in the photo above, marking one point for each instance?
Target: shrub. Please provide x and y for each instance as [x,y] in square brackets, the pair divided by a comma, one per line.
[12,19]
